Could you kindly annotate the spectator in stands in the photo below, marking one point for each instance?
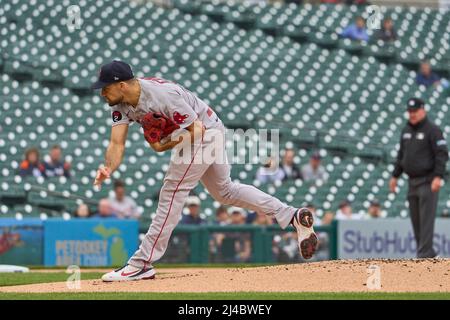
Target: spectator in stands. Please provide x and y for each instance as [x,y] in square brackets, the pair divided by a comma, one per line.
[222,216]
[193,211]
[445,213]
[252,217]
[356,31]
[216,238]
[56,166]
[270,172]
[82,211]
[314,171]
[237,215]
[426,76]
[345,212]
[123,205]
[285,247]
[104,210]
[290,170]
[261,219]
[327,218]
[387,32]
[32,166]
[374,211]
[242,243]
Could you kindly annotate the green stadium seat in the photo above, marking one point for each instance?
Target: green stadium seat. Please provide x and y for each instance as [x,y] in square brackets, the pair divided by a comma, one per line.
[259,66]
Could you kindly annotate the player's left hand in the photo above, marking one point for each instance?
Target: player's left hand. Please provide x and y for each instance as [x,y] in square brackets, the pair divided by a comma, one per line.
[436,184]
[157,126]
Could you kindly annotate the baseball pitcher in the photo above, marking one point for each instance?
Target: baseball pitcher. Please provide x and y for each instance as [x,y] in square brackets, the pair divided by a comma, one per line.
[173,118]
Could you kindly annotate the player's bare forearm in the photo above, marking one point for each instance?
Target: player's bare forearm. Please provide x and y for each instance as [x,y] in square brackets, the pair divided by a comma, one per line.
[114,155]
[116,148]
[161,147]
[113,158]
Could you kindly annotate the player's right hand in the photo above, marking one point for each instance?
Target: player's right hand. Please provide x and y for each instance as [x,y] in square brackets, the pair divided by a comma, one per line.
[393,185]
[102,174]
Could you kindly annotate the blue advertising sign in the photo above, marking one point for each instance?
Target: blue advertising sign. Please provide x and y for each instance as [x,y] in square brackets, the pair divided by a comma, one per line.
[93,242]
[21,241]
[387,238]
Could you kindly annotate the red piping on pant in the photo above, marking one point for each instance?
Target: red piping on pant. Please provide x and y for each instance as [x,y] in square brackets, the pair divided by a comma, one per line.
[170,206]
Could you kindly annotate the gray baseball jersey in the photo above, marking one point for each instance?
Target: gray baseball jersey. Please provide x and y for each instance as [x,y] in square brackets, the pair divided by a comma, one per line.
[181,105]
[170,99]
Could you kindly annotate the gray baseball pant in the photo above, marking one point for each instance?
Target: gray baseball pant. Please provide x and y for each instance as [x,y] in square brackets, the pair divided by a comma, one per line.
[422,207]
[181,178]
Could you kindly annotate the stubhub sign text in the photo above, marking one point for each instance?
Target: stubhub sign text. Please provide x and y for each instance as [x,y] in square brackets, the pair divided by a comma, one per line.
[387,238]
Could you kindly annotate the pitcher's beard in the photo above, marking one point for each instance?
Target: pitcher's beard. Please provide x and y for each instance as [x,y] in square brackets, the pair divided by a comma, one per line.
[115,102]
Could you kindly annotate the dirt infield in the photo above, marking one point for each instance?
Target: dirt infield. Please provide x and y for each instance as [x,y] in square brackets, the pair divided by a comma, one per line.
[424,275]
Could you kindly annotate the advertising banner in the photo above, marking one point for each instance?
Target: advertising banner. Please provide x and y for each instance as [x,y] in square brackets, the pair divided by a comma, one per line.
[93,242]
[387,238]
[21,241]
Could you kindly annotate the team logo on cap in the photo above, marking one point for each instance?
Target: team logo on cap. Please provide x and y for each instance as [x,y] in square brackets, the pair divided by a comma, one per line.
[116,116]
[411,103]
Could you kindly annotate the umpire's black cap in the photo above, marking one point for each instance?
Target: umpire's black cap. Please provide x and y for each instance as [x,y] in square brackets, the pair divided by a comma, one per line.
[415,103]
[114,71]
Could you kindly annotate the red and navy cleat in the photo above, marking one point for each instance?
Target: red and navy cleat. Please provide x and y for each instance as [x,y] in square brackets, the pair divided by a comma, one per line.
[303,221]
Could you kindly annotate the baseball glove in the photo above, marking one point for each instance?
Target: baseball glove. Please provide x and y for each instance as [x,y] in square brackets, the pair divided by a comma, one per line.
[157,126]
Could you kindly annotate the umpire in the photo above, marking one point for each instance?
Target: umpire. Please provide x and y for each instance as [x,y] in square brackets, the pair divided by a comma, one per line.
[422,156]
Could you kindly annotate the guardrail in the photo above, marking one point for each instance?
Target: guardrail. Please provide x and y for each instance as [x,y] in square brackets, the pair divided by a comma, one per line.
[262,238]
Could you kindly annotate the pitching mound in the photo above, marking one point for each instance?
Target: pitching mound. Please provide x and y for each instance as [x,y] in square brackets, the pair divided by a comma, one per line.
[428,275]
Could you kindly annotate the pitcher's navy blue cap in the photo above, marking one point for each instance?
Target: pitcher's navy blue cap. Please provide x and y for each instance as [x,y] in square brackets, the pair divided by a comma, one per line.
[113,72]
[415,103]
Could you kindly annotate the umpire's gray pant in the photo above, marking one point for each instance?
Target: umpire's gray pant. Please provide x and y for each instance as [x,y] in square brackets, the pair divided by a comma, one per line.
[422,207]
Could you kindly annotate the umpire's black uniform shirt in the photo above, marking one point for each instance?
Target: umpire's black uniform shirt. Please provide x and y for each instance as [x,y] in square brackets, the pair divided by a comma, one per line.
[422,156]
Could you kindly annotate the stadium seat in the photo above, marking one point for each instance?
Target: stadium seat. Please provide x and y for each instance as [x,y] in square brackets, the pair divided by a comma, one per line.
[259,66]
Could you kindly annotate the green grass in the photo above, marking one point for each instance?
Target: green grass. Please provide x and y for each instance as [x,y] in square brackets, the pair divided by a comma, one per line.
[14,279]
[224,296]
